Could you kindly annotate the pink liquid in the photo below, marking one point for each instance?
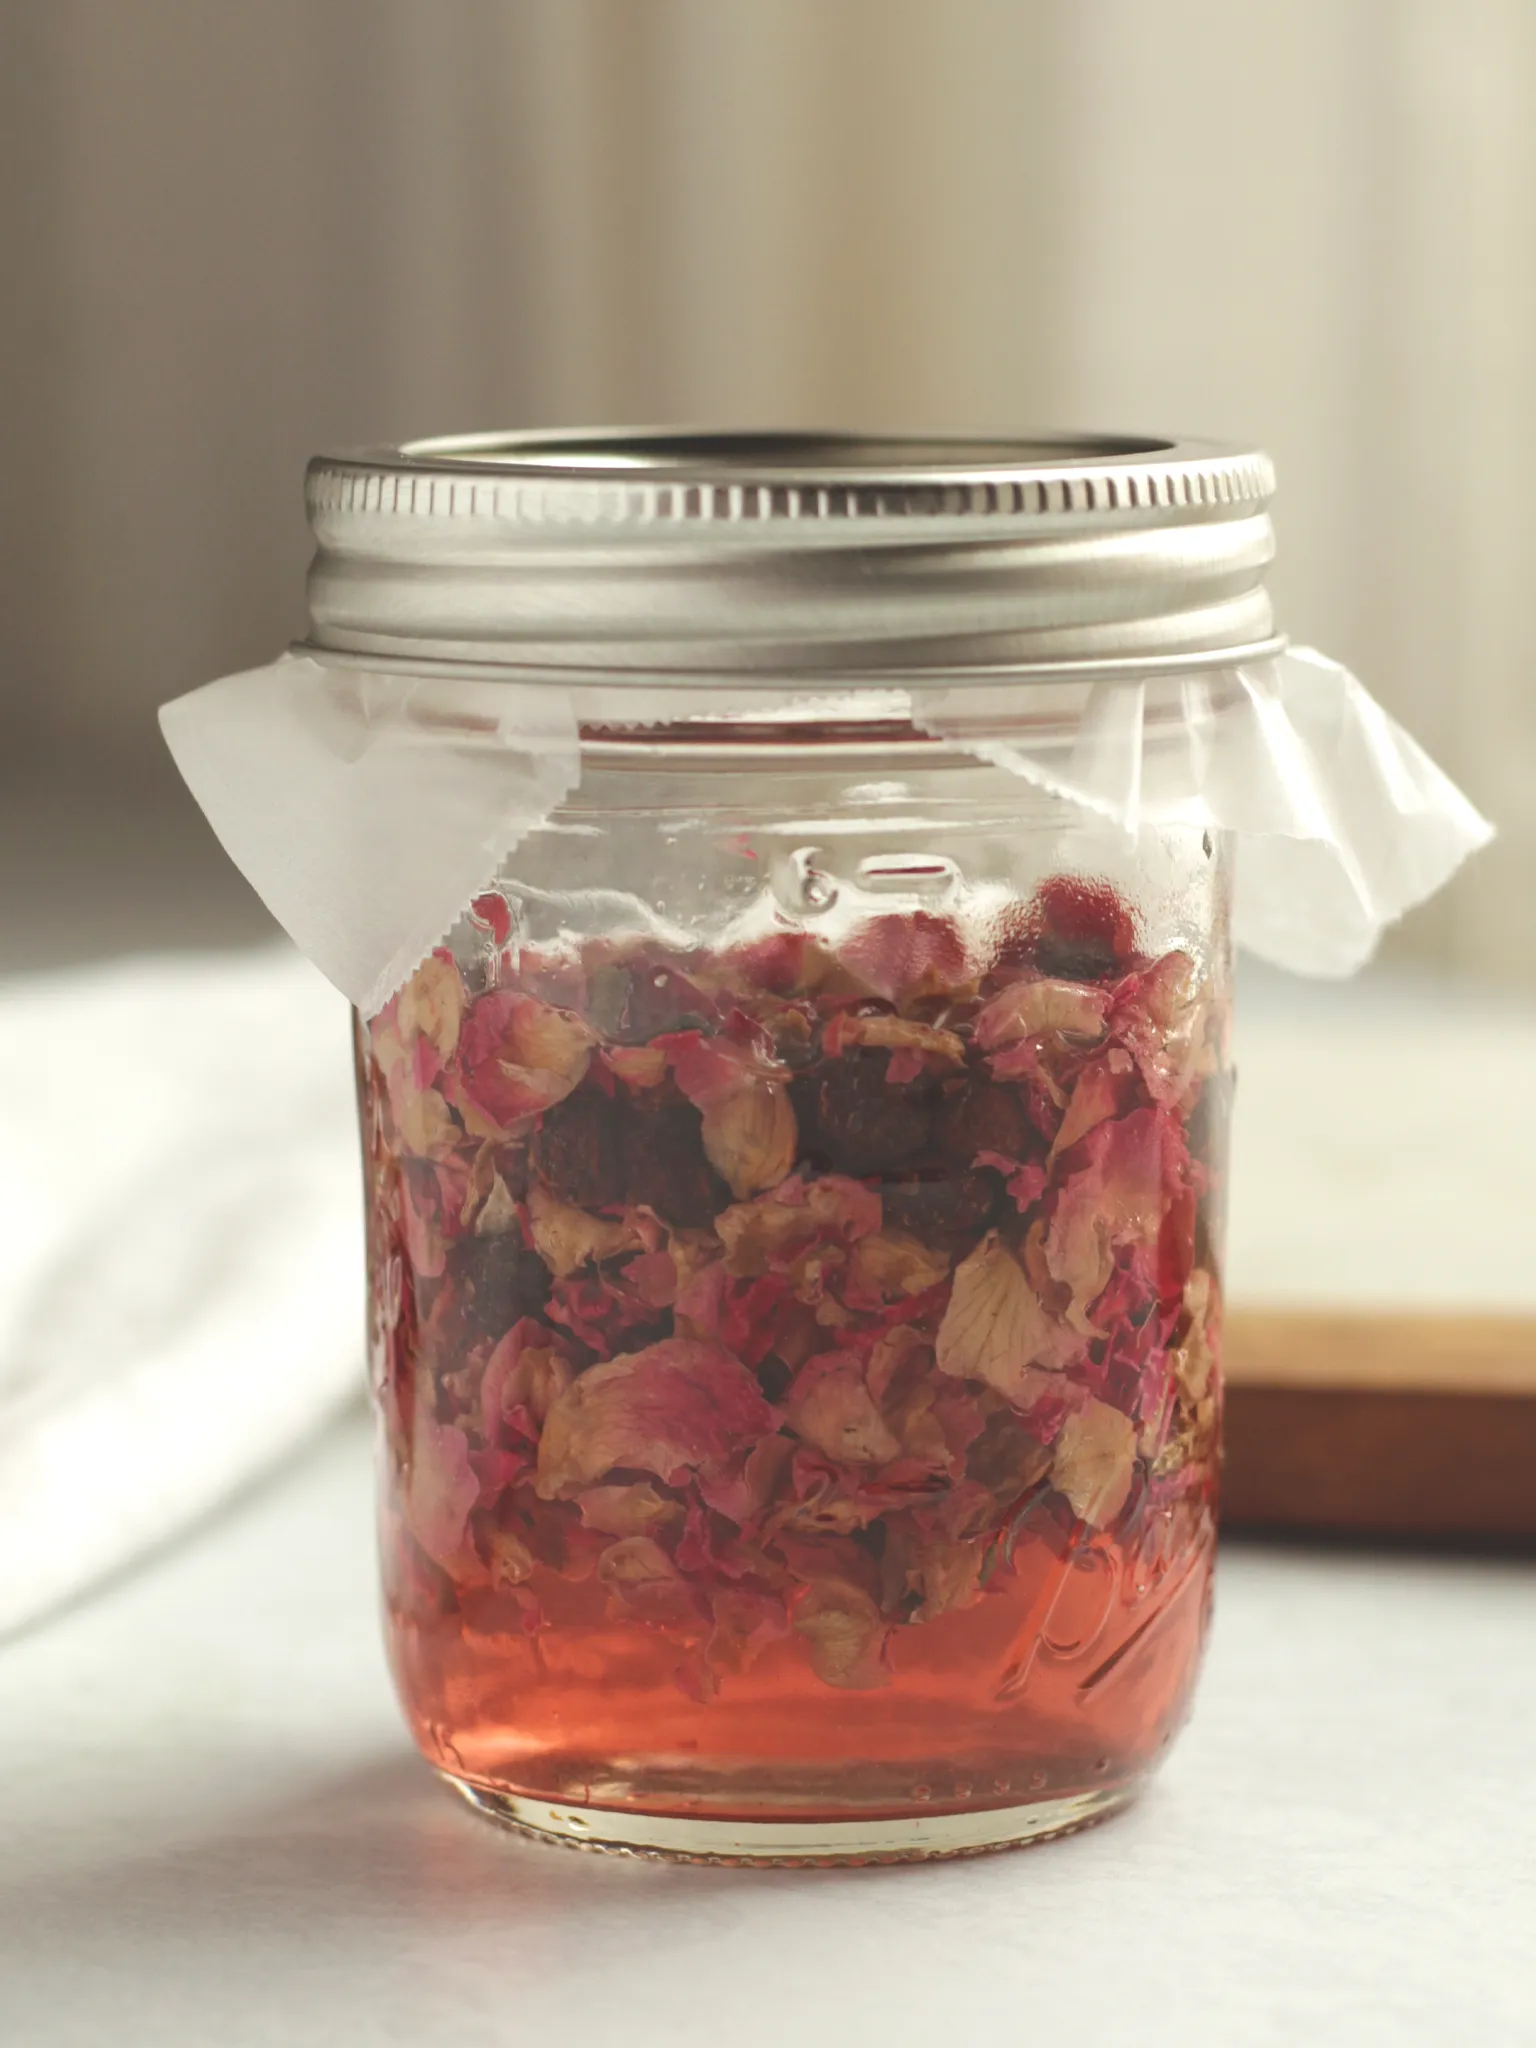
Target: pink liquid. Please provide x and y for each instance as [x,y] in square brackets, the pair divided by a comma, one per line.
[797,1377]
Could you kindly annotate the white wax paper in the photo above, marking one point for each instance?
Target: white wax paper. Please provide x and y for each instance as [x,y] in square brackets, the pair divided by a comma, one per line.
[1342,821]
[367,808]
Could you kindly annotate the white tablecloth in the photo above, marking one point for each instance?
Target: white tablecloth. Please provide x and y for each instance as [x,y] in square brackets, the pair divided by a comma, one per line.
[212,1830]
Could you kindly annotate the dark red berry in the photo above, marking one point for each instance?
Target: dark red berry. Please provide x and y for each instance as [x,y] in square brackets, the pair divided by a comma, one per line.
[863,1125]
[975,1115]
[578,1150]
[1073,929]
[665,1166]
[941,1204]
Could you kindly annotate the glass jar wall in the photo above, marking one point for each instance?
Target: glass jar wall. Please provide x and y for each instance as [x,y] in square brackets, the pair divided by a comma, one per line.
[794,1228]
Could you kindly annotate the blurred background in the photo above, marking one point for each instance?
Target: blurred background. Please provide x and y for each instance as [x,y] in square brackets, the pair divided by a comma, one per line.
[235,234]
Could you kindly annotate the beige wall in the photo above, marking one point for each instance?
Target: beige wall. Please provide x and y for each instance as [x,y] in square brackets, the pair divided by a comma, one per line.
[236,232]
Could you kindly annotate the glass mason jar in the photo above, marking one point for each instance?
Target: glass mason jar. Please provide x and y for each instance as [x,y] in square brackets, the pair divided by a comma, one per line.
[795,1184]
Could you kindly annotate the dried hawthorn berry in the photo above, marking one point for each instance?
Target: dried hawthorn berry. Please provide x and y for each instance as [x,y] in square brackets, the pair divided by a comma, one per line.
[1073,930]
[1086,929]
[974,1116]
[496,1281]
[862,1124]
[942,1204]
[578,1150]
[665,1166]
[804,1100]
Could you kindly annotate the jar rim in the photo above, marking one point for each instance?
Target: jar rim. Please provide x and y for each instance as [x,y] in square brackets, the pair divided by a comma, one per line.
[759,552]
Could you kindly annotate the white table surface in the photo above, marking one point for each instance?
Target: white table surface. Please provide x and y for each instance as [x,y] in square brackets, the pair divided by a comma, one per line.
[213,1831]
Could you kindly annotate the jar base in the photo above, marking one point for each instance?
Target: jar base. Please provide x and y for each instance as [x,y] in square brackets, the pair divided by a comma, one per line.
[687,1838]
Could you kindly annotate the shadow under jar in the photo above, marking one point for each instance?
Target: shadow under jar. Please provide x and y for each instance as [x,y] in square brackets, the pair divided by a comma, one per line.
[795,1183]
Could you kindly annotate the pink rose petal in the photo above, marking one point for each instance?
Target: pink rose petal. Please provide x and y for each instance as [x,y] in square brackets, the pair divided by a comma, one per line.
[671,1409]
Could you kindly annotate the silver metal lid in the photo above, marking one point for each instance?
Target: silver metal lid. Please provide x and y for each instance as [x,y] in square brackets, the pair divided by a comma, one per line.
[634,553]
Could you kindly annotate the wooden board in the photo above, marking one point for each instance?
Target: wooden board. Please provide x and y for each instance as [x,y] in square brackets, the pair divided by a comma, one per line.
[1402,1425]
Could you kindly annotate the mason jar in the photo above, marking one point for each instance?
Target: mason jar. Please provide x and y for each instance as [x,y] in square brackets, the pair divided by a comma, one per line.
[795,1180]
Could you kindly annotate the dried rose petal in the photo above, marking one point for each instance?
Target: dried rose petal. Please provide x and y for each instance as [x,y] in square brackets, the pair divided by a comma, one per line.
[637,1510]
[511,1560]
[567,1238]
[1030,1009]
[749,1317]
[1023,1065]
[654,1278]
[908,953]
[603,1312]
[443,1489]
[896,1034]
[499,1212]
[1195,1361]
[431,1005]
[1008,1455]
[767,1234]
[1095,1462]
[493,912]
[675,1407]
[896,1355]
[997,1329]
[421,1118]
[524,1376]
[1171,1026]
[1095,1097]
[497,1470]
[639,1066]
[748,1126]
[845,1631]
[745,1624]
[889,1264]
[750,1138]
[945,1574]
[518,1056]
[1119,1197]
[708,1070]
[788,963]
[831,1407]
[644,1581]
[1025,1184]
[743,1490]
